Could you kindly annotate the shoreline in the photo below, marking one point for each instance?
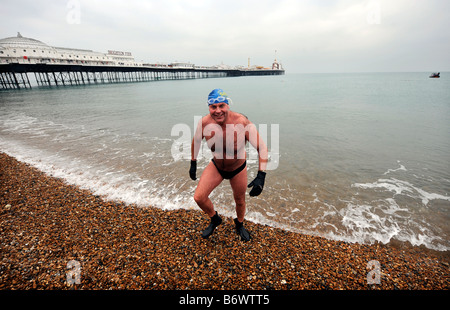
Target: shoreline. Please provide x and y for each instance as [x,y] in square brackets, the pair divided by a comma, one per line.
[45,223]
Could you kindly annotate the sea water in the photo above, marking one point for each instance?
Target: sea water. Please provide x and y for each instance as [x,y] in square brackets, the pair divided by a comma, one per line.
[356,157]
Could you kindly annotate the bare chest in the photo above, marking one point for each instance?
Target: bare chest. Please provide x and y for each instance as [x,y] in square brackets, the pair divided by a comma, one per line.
[226,142]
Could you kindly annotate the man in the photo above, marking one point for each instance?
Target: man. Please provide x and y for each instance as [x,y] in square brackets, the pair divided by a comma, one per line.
[226,133]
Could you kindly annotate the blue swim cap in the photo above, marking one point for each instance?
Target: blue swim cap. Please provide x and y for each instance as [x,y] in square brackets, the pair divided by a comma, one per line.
[217,96]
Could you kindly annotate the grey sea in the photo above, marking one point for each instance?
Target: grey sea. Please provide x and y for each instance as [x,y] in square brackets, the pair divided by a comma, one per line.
[356,157]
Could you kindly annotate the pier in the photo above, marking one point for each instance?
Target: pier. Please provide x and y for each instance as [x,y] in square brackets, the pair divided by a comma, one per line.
[22,58]
[16,75]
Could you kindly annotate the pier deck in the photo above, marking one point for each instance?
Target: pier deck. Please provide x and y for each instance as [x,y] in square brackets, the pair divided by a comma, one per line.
[16,75]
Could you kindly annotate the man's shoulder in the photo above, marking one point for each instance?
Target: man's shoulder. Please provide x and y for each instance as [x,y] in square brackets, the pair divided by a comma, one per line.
[207,119]
[241,118]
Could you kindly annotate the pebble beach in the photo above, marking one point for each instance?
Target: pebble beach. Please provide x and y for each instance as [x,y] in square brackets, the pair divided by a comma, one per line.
[46,223]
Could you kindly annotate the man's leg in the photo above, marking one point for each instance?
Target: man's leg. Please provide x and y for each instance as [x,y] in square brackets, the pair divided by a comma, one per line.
[209,180]
[239,186]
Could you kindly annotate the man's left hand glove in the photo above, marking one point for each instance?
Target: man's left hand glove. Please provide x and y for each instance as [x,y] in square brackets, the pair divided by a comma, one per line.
[257,184]
[193,170]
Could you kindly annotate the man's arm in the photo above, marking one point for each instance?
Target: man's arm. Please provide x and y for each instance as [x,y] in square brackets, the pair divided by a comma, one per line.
[195,148]
[257,142]
[197,140]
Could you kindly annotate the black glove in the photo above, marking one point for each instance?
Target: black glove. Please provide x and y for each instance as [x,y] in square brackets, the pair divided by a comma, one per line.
[193,170]
[257,184]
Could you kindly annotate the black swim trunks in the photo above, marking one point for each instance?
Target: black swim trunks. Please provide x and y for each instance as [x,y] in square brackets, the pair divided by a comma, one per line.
[229,174]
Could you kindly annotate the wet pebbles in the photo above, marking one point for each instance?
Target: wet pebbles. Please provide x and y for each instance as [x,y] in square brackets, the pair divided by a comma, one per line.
[46,223]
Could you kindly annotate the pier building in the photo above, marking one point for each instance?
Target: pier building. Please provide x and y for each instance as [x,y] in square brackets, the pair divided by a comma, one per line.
[56,66]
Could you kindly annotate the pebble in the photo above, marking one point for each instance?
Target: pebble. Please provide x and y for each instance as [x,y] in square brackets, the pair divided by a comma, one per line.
[121,246]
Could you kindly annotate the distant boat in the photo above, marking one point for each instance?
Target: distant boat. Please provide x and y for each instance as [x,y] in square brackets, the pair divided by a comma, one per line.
[435,75]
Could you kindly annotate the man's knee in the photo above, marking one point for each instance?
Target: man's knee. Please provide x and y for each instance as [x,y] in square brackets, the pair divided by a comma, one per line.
[240,201]
[200,198]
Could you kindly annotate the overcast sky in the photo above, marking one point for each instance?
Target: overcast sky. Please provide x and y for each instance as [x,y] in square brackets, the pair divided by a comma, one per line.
[308,35]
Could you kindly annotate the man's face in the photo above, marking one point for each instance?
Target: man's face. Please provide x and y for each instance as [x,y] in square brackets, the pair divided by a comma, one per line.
[219,112]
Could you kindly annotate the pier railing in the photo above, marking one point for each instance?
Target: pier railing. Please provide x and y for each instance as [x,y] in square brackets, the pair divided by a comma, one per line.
[16,75]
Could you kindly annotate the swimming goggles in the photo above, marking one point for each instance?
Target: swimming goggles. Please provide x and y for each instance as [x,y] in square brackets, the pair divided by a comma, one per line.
[219,99]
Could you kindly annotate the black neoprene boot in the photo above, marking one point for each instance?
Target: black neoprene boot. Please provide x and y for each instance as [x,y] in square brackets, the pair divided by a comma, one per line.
[241,231]
[216,220]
